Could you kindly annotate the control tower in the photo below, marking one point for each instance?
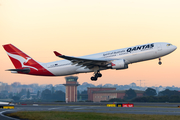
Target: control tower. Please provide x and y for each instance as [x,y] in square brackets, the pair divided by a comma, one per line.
[71,88]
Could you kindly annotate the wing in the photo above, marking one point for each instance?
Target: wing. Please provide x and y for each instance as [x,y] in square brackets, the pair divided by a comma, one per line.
[84,62]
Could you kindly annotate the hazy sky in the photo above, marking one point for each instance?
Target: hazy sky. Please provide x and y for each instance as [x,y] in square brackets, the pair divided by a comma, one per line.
[82,27]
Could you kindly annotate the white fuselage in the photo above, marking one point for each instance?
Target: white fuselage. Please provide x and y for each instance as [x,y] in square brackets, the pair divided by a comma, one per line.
[4,103]
[130,55]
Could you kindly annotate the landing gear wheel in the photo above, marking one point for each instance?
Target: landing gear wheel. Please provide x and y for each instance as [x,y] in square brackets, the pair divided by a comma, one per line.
[93,78]
[99,75]
[96,75]
[159,61]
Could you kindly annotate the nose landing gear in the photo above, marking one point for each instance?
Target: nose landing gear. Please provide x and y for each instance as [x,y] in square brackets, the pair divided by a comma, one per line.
[159,61]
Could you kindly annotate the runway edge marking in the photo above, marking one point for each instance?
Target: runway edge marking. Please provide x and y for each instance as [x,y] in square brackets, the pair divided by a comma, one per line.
[1,113]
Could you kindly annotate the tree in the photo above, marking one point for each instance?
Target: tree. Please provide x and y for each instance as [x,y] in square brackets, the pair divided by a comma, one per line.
[84,92]
[146,99]
[22,92]
[168,92]
[52,90]
[16,98]
[140,99]
[28,94]
[38,93]
[10,95]
[150,92]
[59,96]
[46,94]
[82,96]
[174,98]
[78,95]
[130,94]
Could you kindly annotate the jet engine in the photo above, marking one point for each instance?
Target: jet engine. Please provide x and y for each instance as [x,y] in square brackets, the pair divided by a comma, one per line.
[118,64]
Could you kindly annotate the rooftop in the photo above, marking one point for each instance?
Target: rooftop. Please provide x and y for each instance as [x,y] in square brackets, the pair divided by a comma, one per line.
[101,87]
[116,91]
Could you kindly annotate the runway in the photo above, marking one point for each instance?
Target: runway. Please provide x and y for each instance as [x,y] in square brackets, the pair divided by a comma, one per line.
[95,108]
[103,109]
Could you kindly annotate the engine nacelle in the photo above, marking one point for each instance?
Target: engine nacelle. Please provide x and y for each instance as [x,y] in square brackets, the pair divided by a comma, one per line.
[119,64]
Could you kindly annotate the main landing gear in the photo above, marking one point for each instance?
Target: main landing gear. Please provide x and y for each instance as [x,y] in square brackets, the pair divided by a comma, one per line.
[159,61]
[96,75]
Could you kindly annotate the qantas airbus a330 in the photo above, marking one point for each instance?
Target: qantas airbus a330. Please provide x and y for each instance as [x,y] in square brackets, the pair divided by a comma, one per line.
[116,59]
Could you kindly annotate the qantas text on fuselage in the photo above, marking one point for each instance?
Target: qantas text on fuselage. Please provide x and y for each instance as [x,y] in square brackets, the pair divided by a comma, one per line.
[116,59]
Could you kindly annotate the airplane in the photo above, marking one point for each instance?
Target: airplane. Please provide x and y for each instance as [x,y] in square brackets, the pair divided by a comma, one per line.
[4,103]
[116,59]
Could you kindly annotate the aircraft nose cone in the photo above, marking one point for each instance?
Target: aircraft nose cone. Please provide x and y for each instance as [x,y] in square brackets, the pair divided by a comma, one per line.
[174,47]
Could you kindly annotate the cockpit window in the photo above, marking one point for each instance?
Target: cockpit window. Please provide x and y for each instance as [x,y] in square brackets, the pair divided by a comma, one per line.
[169,44]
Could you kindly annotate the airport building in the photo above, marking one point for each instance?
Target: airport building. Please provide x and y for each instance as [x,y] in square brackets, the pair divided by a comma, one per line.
[110,94]
[97,94]
[91,90]
[71,88]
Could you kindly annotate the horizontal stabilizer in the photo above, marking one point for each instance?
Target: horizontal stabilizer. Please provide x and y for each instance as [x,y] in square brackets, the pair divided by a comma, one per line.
[25,70]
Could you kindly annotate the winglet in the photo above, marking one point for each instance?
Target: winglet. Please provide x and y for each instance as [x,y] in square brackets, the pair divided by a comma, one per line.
[57,54]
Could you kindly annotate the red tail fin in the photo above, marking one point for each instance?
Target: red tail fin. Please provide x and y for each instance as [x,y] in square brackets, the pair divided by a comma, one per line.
[23,63]
[18,58]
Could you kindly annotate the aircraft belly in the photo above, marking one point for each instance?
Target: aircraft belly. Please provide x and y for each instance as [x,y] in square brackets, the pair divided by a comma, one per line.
[83,70]
[161,53]
[60,71]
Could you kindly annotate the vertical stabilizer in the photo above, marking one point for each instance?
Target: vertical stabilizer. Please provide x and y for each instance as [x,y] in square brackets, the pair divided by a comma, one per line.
[24,63]
[19,58]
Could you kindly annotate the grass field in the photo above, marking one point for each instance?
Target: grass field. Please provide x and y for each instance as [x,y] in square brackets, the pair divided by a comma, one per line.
[57,115]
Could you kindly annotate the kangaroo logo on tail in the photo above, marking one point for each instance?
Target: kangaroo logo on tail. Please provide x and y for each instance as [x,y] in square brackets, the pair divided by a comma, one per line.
[18,58]
[22,60]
